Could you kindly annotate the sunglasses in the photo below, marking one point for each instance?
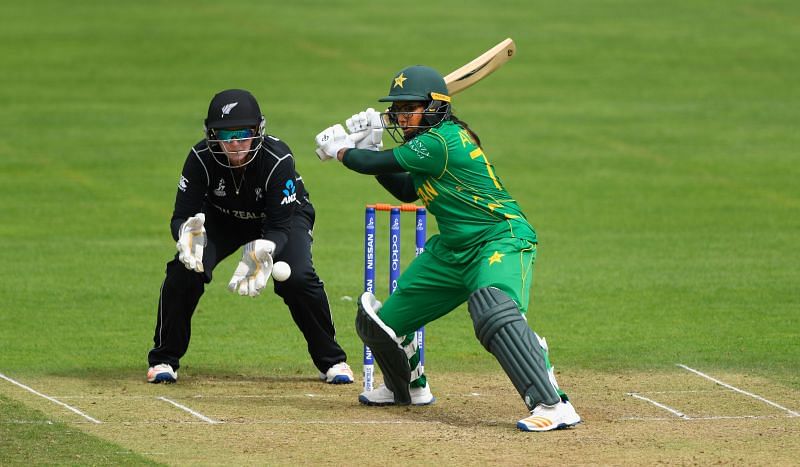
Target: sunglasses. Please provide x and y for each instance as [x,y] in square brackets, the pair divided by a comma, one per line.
[228,135]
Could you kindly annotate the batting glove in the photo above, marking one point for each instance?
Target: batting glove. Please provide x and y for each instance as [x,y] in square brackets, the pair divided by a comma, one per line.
[191,241]
[331,140]
[254,269]
[366,129]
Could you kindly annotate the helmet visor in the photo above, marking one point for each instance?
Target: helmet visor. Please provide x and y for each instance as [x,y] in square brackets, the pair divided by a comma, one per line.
[228,135]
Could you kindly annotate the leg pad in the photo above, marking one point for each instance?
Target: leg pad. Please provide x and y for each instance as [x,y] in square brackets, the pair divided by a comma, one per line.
[386,349]
[503,331]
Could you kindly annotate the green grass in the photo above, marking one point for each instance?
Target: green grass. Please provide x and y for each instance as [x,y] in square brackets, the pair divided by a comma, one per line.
[652,144]
[28,437]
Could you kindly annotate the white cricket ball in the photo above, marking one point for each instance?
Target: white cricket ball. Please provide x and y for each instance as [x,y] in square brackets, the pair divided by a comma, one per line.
[281,271]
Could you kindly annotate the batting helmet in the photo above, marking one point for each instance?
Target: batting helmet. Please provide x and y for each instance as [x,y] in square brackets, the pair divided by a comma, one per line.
[417,83]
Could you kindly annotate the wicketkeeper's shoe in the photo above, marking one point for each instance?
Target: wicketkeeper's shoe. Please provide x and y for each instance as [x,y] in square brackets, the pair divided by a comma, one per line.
[338,374]
[161,373]
[550,417]
[383,396]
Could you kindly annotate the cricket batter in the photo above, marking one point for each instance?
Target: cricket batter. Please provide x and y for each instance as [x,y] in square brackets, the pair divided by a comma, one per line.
[238,189]
[484,253]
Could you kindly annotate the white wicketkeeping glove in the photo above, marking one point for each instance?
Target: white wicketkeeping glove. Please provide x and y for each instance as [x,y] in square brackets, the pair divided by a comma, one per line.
[366,129]
[191,241]
[254,269]
[331,140]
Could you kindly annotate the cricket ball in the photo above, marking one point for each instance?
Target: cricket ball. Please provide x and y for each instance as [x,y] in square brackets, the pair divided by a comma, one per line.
[281,271]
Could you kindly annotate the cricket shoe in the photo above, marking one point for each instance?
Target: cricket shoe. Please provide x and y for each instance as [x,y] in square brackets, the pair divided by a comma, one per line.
[162,373]
[550,417]
[338,374]
[383,396]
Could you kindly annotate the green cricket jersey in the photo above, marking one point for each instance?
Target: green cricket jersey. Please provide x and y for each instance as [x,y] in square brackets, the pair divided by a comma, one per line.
[454,179]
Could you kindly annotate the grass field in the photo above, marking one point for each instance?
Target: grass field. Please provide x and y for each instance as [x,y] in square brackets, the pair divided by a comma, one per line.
[653,145]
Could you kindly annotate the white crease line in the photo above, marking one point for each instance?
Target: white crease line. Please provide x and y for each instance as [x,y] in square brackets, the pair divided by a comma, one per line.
[668,409]
[196,414]
[258,422]
[732,388]
[721,417]
[73,409]
[26,422]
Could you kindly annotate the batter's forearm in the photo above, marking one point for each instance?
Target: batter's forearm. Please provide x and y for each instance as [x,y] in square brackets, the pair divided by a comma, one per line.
[371,162]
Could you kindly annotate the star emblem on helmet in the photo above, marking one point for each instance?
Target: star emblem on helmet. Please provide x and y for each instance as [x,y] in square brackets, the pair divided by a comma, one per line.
[398,81]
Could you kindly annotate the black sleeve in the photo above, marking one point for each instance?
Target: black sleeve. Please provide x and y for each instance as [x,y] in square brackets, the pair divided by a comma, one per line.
[372,162]
[401,186]
[279,202]
[192,188]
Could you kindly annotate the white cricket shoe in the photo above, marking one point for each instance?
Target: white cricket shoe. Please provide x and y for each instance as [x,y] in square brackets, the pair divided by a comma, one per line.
[383,396]
[338,374]
[162,373]
[550,417]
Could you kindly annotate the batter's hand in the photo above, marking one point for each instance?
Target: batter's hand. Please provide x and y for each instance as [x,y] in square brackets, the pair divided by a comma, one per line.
[366,129]
[331,140]
[254,269]
[191,241]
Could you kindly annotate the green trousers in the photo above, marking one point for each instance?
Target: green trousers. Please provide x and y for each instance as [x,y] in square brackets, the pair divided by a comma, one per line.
[441,279]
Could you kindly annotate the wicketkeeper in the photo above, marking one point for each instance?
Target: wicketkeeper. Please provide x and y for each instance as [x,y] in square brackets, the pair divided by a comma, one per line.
[239,189]
[484,254]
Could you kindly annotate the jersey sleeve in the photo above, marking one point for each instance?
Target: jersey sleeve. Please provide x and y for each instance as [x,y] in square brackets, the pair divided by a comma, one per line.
[192,189]
[280,200]
[424,154]
[371,162]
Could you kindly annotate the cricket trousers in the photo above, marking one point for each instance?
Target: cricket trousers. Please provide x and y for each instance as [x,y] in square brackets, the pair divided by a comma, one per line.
[303,293]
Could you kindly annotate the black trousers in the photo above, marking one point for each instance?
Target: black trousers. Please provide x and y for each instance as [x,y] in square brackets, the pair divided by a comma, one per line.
[303,292]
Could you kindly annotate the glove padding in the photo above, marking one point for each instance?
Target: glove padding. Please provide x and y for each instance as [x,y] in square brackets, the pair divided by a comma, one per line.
[366,129]
[331,140]
[254,269]
[191,241]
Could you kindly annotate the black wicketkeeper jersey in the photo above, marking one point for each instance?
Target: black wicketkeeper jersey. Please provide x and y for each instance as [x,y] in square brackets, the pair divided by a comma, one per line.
[266,192]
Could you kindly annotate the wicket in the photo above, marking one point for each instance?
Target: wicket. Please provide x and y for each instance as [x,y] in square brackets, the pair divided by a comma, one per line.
[394,265]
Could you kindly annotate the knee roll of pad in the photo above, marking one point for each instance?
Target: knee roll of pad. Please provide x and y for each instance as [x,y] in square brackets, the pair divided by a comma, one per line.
[390,356]
[503,331]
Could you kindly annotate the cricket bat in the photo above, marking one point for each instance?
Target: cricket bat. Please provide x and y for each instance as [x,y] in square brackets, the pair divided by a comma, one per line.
[481,67]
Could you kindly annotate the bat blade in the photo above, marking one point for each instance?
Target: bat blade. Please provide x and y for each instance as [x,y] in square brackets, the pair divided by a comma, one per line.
[480,67]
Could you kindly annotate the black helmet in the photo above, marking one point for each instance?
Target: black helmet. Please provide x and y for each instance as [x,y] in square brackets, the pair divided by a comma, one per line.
[233,108]
[229,109]
[417,83]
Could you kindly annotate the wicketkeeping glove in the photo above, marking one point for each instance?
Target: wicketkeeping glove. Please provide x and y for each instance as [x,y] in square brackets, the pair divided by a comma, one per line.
[331,140]
[191,241]
[366,129]
[254,269]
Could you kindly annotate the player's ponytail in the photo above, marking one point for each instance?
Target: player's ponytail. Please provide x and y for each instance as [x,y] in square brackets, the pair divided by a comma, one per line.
[464,125]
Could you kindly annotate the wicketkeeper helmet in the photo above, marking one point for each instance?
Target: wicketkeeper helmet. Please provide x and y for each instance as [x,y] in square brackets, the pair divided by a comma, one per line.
[234,109]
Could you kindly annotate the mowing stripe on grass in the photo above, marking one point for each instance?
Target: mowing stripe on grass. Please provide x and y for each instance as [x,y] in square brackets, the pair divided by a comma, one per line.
[73,409]
[755,396]
[662,406]
[196,414]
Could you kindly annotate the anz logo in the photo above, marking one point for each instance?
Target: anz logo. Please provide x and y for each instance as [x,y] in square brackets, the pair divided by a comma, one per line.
[289,193]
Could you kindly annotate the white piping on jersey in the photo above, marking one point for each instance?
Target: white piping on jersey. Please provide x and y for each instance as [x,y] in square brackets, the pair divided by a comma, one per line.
[280,159]
[208,177]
